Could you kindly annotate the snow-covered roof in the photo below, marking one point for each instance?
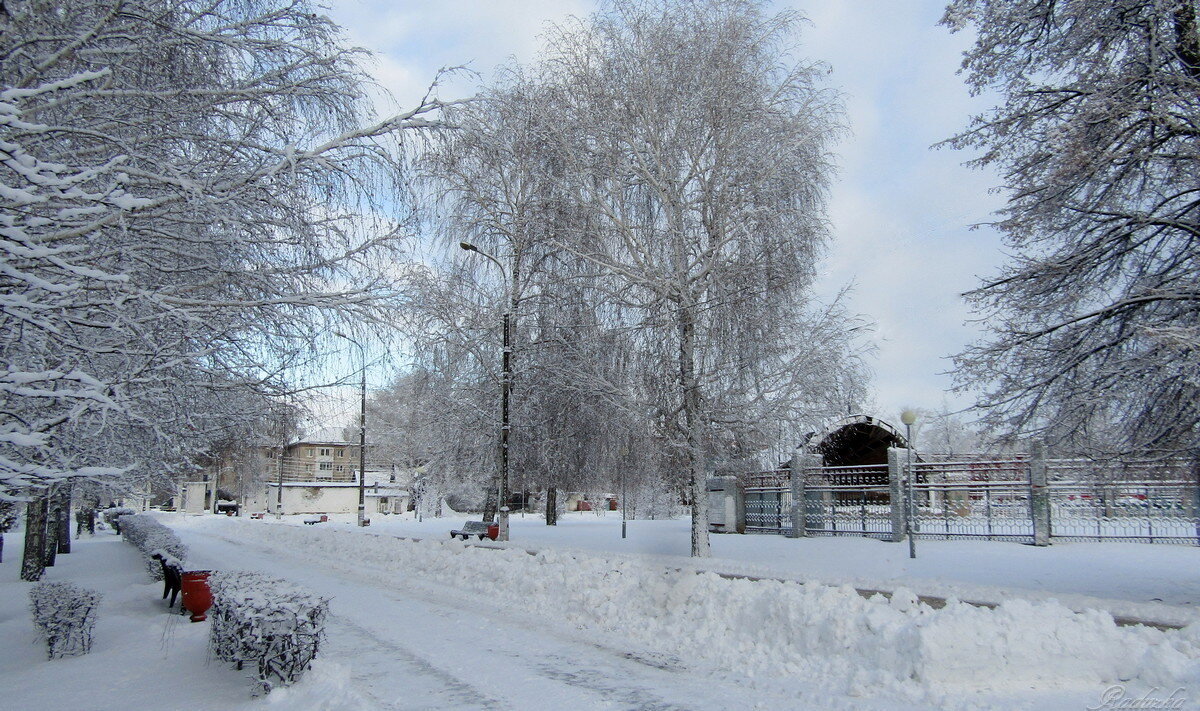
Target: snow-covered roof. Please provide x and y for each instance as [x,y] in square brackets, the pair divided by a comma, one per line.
[322,442]
[326,435]
[386,491]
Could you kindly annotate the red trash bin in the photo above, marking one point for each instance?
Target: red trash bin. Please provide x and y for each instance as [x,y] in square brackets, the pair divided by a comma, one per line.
[493,530]
[197,598]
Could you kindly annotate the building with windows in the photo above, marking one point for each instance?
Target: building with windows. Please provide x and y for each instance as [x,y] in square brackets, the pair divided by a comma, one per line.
[313,460]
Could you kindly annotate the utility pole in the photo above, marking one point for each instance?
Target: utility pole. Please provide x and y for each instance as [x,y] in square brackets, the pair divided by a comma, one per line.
[362,444]
[279,492]
[362,431]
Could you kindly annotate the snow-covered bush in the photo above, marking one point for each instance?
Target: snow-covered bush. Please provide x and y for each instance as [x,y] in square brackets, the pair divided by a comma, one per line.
[273,623]
[111,515]
[152,537]
[65,615]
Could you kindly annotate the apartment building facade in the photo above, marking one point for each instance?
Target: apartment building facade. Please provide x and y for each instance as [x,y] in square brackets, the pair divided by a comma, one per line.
[315,460]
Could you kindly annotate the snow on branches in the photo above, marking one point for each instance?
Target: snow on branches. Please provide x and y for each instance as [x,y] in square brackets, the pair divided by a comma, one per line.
[1096,320]
[65,616]
[651,197]
[272,623]
[190,193]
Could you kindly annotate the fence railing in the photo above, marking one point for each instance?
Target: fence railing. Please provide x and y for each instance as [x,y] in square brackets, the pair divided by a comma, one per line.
[988,499]
[981,498]
[768,501]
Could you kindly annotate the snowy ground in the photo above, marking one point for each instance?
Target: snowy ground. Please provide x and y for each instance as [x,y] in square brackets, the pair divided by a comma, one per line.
[142,657]
[1158,582]
[439,625]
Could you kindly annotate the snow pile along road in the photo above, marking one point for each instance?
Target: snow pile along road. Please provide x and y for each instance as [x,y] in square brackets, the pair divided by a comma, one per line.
[770,628]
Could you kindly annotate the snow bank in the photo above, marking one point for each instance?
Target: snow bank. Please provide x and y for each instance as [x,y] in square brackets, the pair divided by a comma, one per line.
[773,628]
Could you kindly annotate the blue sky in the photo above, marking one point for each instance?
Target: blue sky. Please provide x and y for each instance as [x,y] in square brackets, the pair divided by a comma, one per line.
[901,211]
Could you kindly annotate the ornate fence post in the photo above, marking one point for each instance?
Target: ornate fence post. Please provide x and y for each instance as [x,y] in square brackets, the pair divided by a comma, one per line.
[796,479]
[895,458]
[1039,495]
[800,464]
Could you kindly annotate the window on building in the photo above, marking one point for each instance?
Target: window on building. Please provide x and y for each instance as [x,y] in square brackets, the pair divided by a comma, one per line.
[326,466]
[339,468]
[325,451]
[308,452]
[341,452]
[308,467]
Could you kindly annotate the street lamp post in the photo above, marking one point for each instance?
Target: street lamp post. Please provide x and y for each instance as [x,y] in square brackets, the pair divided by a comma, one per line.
[624,498]
[279,490]
[362,431]
[624,504]
[908,417]
[505,390]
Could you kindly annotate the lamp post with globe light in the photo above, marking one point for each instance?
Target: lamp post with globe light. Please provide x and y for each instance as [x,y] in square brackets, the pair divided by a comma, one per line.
[909,417]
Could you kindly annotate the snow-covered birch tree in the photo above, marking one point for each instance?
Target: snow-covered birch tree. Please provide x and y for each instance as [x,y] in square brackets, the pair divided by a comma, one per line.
[701,146]
[1096,320]
[497,178]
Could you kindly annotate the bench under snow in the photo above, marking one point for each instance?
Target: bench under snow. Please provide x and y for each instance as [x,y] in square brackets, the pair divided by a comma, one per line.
[312,520]
[476,528]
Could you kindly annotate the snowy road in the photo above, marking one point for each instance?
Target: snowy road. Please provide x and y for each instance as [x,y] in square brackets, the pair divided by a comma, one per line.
[408,644]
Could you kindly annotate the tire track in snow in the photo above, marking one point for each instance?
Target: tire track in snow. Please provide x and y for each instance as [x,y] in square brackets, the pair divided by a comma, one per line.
[375,675]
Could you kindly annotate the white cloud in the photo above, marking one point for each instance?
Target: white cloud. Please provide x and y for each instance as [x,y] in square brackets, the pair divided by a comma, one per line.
[418,37]
[900,210]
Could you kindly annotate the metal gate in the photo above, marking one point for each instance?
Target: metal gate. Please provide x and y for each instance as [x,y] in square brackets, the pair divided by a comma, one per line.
[980,498]
[768,497]
[848,501]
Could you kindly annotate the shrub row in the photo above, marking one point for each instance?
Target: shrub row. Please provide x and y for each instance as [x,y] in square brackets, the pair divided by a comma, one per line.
[65,616]
[152,537]
[274,624]
[111,515]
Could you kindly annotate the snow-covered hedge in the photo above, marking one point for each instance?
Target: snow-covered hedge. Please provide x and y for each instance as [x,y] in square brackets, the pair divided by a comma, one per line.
[152,537]
[272,623]
[65,615]
[111,515]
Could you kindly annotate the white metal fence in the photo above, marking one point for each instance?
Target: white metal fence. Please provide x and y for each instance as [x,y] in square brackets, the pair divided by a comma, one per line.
[1021,499]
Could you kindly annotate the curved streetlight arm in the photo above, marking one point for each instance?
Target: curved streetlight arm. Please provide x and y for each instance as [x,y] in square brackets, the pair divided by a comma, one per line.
[468,247]
[339,334]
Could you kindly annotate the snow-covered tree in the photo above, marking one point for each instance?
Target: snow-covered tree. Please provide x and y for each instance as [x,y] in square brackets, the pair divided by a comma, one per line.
[440,413]
[189,198]
[701,150]
[652,191]
[1096,320]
